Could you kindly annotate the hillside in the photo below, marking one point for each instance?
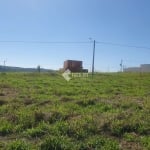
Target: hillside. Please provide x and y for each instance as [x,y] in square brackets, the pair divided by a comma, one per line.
[44,112]
[19,69]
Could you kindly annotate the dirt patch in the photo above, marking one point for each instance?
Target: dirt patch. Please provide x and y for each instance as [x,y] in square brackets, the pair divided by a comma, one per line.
[8,93]
[2,94]
[45,102]
[66,99]
[130,145]
[28,101]
[3,102]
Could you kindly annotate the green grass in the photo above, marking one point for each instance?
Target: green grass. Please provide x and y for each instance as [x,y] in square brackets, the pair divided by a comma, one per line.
[44,111]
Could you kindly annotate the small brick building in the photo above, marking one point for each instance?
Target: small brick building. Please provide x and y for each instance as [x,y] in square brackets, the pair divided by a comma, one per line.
[74,66]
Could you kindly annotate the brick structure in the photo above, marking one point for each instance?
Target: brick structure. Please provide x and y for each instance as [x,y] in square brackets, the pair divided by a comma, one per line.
[74,66]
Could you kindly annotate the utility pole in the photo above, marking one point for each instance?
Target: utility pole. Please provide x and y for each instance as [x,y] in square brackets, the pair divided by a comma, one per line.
[39,68]
[121,66]
[93,58]
[4,65]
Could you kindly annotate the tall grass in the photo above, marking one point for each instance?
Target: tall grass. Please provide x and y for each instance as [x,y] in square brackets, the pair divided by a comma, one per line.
[43,111]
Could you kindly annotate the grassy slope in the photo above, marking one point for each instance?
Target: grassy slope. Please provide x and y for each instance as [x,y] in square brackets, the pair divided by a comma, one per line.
[43,111]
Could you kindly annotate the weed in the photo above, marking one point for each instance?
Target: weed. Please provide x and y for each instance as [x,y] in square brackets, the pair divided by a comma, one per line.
[56,143]
[56,116]
[25,121]
[98,142]
[35,132]
[2,145]
[145,141]
[13,118]
[85,103]
[18,145]
[80,114]
[130,137]
[38,116]
[5,128]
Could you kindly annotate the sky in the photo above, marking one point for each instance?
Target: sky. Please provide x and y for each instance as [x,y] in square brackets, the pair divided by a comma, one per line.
[124,22]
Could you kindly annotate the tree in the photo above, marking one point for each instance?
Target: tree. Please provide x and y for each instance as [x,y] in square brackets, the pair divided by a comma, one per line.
[39,68]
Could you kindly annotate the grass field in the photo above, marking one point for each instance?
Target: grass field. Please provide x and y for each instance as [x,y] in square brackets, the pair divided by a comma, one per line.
[45,112]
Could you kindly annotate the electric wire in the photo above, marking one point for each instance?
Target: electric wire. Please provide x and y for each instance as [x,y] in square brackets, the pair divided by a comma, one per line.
[77,42]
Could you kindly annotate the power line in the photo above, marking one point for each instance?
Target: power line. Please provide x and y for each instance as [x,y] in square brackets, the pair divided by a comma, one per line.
[93,61]
[77,42]
[123,45]
[45,42]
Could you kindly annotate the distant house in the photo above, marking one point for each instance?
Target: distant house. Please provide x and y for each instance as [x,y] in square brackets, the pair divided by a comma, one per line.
[142,68]
[74,66]
[132,69]
[145,67]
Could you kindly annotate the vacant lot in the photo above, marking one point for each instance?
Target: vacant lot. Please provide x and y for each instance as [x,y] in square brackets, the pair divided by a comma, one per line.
[45,112]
